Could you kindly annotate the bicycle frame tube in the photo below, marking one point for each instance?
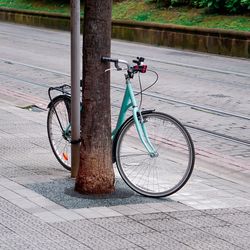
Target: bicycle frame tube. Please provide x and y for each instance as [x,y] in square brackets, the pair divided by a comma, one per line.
[126,104]
[68,128]
[130,101]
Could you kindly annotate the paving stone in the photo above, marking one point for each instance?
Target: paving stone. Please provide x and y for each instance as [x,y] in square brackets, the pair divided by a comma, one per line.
[3,229]
[105,222]
[163,240]
[125,210]
[40,229]
[14,172]
[49,217]
[10,195]
[27,193]
[3,189]
[16,212]
[219,211]
[140,240]
[212,204]
[96,230]
[203,221]
[180,206]
[166,224]
[119,228]
[24,203]
[66,214]
[5,246]
[116,219]
[236,201]
[231,234]
[244,209]
[16,242]
[142,208]
[88,213]
[235,218]
[26,232]
[31,179]
[42,201]
[162,207]
[133,248]
[11,185]
[35,209]
[244,227]
[118,242]
[77,228]
[165,247]
[106,212]
[136,227]
[151,216]
[189,213]
[198,239]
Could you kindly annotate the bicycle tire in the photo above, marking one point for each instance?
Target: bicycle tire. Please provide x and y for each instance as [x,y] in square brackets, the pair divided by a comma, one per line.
[172,168]
[59,113]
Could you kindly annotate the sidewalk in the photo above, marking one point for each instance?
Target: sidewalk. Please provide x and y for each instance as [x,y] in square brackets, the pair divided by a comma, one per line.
[40,210]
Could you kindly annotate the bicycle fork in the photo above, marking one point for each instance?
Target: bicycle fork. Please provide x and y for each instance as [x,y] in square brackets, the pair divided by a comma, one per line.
[140,124]
[142,132]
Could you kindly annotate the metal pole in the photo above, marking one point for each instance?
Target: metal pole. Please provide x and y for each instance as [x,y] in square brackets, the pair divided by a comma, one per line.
[75,86]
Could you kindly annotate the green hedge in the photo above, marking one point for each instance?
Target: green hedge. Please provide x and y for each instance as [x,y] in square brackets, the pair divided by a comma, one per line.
[216,6]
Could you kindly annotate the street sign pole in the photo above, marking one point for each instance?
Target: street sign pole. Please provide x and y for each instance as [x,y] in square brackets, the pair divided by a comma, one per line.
[75,86]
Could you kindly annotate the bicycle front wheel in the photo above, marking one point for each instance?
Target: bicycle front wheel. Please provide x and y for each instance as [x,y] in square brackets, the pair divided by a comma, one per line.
[165,173]
[59,130]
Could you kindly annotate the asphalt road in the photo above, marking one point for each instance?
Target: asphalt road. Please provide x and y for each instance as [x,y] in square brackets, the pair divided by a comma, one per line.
[33,59]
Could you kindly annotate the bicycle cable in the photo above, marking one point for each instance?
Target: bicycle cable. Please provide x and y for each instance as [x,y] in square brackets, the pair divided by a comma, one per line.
[150,86]
[139,77]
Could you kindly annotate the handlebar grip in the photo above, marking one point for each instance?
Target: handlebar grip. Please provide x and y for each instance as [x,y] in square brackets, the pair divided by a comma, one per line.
[108,59]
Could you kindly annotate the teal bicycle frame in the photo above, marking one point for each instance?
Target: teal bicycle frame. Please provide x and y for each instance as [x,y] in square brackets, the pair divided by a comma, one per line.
[128,102]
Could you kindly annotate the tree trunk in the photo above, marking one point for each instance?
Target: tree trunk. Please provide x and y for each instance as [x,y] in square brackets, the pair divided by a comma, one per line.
[96,174]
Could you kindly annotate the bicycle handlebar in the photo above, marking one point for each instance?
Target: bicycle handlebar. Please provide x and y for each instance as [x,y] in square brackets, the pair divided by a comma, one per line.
[139,67]
[115,61]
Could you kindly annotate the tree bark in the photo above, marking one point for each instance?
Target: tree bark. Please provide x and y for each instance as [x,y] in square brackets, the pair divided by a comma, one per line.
[96,174]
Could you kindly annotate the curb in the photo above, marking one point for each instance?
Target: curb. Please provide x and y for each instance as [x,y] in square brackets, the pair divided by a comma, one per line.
[216,41]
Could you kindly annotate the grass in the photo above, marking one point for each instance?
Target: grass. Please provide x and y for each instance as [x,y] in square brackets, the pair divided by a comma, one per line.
[36,5]
[138,10]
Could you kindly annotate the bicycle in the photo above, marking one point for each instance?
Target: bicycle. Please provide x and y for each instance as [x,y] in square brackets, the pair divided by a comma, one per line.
[153,151]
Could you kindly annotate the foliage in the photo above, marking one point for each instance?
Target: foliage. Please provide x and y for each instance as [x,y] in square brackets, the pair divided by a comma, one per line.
[216,6]
[227,6]
[138,10]
[236,6]
[166,3]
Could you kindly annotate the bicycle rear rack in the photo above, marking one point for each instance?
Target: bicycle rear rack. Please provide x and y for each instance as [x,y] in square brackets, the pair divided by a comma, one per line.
[65,89]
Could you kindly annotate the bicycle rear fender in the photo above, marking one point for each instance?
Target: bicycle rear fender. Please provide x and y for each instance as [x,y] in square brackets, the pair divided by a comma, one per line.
[120,129]
[56,98]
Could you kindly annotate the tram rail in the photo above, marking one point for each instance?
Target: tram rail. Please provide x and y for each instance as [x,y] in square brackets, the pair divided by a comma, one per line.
[149,94]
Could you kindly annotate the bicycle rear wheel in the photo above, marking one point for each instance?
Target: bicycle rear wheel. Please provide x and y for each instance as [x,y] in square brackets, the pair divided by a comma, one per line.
[59,130]
[164,174]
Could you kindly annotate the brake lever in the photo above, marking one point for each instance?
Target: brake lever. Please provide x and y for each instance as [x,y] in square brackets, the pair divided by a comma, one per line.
[117,66]
[119,69]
